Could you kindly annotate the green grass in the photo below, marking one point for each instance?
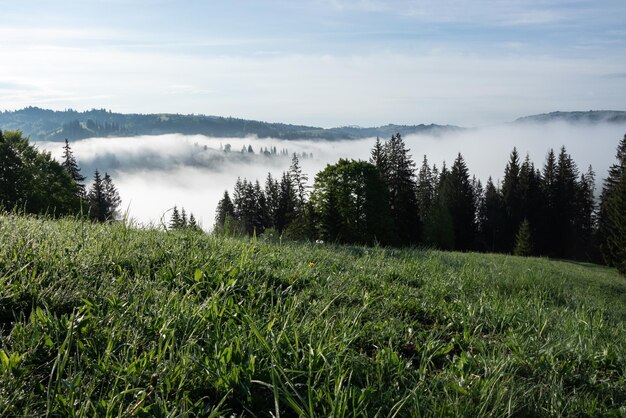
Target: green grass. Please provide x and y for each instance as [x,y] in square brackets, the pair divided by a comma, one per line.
[106,320]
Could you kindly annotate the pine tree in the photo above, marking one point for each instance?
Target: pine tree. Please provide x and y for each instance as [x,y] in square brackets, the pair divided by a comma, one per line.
[261,217]
[378,156]
[566,191]
[439,230]
[548,234]
[193,224]
[183,218]
[175,220]
[399,176]
[461,203]
[531,198]
[511,196]
[271,200]
[523,240]
[225,211]
[585,217]
[111,197]
[298,180]
[97,200]
[492,218]
[71,166]
[426,185]
[612,216]
[287,203]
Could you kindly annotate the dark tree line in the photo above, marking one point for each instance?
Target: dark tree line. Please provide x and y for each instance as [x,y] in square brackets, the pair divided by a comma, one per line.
[179,220]
[31,181]
[612,215]
[547,211]
[281,205]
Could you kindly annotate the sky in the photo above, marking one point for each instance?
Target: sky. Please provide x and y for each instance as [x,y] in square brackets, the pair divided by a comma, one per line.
[317,62]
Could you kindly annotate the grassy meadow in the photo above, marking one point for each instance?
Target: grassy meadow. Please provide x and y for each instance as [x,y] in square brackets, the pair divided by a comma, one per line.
[107,320]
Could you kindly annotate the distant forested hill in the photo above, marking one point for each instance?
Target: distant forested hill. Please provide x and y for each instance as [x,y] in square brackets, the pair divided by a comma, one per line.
[50,125]
[592,116]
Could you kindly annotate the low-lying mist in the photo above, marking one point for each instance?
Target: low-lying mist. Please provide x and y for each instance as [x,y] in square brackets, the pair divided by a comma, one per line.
[154,173]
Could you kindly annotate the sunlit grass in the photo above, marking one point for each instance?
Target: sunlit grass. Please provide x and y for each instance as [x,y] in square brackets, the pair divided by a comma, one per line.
[106,320]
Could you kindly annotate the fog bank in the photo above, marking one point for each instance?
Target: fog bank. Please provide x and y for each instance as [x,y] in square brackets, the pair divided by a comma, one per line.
[154,173]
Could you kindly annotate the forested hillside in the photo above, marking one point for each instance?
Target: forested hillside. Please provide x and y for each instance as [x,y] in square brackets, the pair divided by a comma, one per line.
[49,125]
[549,211]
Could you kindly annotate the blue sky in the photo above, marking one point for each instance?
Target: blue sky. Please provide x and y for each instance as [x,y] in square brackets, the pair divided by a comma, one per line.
[318,62]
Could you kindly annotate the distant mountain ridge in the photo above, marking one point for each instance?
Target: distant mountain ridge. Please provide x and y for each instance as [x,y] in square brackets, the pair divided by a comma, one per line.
[591,116]
[50,125]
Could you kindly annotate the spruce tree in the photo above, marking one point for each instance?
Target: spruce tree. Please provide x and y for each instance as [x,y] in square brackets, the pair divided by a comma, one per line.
[193,224]
[225,211]
[523,240]
[183,218]
[511,196]
[97,199]
[175,220]
[272,189]
[298,181]
[585,217]
[439,230]
[530,194]
[548,240]
[566,191]
[379,157]
[612,216]
[461,203]
[492,218]
[399,176]
[287,203]
[71,166]
[426,186]
[111,196]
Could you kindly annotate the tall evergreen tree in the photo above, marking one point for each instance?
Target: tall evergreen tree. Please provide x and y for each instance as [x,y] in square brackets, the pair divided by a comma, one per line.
[287,203]
[512,198]
[97,201]
[439,229]
[461,203]
[224,214]
[523,240]
[612,216]
[585,217]
[183,218]
[298,181]
[530,194]
[272,197]
[103,198]
[379,157]
[71,166]
[193,224]
[426,186]
[548,240]
[399,175]
[176,220]
[492,218]
[111,196]
[566,191]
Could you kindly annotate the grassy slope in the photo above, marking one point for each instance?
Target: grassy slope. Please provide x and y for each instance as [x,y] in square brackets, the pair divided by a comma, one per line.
[106,320]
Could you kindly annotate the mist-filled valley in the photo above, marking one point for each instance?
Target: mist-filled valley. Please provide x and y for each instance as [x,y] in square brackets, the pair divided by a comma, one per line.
[155,173]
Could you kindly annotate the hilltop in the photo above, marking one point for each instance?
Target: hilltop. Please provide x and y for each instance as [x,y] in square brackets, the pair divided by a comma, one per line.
[105,319]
